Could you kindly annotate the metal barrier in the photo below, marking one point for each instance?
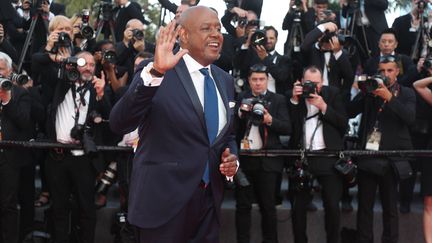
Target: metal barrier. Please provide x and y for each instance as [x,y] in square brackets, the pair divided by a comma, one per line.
[269,153]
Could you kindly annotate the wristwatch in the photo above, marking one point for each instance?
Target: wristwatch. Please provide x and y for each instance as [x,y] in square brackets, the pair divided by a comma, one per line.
[155,73]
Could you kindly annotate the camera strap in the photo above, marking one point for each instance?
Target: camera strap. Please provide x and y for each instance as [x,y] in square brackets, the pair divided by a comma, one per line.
[81,90]
[319,123]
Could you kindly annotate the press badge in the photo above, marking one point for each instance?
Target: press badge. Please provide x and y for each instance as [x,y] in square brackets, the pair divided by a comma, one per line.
[373,140]
[245,144]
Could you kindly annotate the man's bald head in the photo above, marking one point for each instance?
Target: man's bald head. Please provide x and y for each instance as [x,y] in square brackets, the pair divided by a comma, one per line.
[191,13]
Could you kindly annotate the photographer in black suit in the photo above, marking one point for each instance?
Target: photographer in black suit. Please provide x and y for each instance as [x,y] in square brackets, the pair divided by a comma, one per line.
[70,121]
[15,122]
[258,130]
[322,48]
[386,107]
[125,11]
[319,123]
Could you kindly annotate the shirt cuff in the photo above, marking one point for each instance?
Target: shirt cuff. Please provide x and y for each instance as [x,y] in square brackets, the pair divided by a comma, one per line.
[231,178]
[148,79]
[337,54]
[321,28]
[294,102]
[243,47]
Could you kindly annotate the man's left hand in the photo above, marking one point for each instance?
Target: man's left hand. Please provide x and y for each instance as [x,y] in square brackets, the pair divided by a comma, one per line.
[317,100]
[228,165]
[268,119]
[261,51]
[383,92]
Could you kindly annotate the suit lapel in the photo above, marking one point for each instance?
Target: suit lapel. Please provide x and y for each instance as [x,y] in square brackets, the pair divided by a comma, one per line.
[222,91]
[186,80]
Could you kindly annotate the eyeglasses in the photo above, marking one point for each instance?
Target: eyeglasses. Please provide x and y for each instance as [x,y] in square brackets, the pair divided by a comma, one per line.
[259,68]
[388,58]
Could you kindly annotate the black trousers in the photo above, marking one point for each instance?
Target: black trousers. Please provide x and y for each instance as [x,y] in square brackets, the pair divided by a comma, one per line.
[262,189]
[9,182]
[332,186]
[195,223]
[72,175]
[367,186]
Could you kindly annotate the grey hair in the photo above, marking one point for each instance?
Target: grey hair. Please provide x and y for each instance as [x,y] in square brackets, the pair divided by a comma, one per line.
[4,57]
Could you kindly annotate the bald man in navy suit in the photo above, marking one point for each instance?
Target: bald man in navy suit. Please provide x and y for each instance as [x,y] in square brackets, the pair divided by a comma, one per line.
[183,106]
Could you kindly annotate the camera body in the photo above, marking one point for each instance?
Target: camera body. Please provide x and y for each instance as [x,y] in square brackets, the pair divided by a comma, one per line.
[64,40]
[427,64]
[83,133]
[109,56]
[259,38]
[69,69]
[86,31]
[309,88]
[300,177]
[367,84]
[347,169]
[329,35]
[138,34]
[253,109]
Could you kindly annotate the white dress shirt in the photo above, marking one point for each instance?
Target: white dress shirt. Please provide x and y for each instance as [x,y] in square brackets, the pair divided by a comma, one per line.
[310,126]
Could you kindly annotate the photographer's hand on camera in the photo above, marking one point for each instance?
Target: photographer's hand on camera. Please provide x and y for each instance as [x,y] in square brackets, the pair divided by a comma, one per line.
[5,96]
[45,7]
[268,119]
[297,91]
[383,92]
[329,26]
[138,45]
[335,44]
[261,51]
[317,101]
[239,12]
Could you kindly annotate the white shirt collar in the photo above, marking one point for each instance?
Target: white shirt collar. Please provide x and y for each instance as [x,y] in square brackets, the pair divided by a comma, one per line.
[192,65]
[125,5]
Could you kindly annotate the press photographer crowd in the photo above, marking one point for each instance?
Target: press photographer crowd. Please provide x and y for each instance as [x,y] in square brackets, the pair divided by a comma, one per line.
[346,81]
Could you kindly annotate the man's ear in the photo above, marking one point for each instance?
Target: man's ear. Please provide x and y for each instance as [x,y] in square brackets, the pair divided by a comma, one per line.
[183,35]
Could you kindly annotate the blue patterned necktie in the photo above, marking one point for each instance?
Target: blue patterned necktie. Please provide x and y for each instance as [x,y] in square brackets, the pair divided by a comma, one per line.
[211,113]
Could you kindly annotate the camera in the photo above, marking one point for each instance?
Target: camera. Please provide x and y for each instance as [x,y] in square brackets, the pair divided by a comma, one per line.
[105,10]
[367,84]
[69,69]
[347,169]
[108,178]
[86,31]
[138,34]
[242,22]
[427,64]
[309,88]
[64,40]
[300,178]
[343,39]
[259,38]
[5,84]
[83,133]
[253,109]
[20,79]
[109,56]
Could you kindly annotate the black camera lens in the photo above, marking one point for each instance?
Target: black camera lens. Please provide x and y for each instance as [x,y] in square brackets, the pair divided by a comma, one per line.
[427,64]
[77,132]
[108,178]
[20,79]
[87,32]
[110,56]
[367,84]
[242,22]
[5,84]
[259,38]
[138,34]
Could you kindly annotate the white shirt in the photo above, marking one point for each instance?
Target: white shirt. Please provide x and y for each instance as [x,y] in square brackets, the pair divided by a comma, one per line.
[271,84]
[310,126]
[65,116]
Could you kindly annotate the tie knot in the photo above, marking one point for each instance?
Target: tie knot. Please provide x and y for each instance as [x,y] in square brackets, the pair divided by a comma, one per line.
[204,71]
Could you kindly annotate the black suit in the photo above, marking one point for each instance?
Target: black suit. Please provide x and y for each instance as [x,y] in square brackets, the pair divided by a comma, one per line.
[396,115]
[375,12]
[124,14]
[262,172]
[69,174]
[407,69]
[406,38]
[339,71]
[15,124]
[334,123]
[57,8]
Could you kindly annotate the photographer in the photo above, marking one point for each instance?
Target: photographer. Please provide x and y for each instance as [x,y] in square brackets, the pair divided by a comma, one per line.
[73,171]
[83,34]
[319,123]
[387,44]
[408,27]
[322,47]
[15,123]
[124,12]
[260,48]
[132,43]
[263,116]
[386,107]
[6,46]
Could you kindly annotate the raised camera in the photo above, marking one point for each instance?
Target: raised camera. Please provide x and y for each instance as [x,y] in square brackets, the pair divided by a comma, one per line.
[367,84]
[309,88]
[138,34]
[259,38]
[5,84]
[109,56]
[20,79]
[253,109]
[69,69]
[64,40]
[86,31]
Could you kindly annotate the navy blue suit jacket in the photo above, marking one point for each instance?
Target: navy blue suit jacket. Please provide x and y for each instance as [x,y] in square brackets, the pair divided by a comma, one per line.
[173,147]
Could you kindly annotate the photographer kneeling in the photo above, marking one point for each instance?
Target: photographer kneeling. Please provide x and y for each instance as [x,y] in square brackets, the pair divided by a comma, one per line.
[319,123]
[263,116]
[70,121]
